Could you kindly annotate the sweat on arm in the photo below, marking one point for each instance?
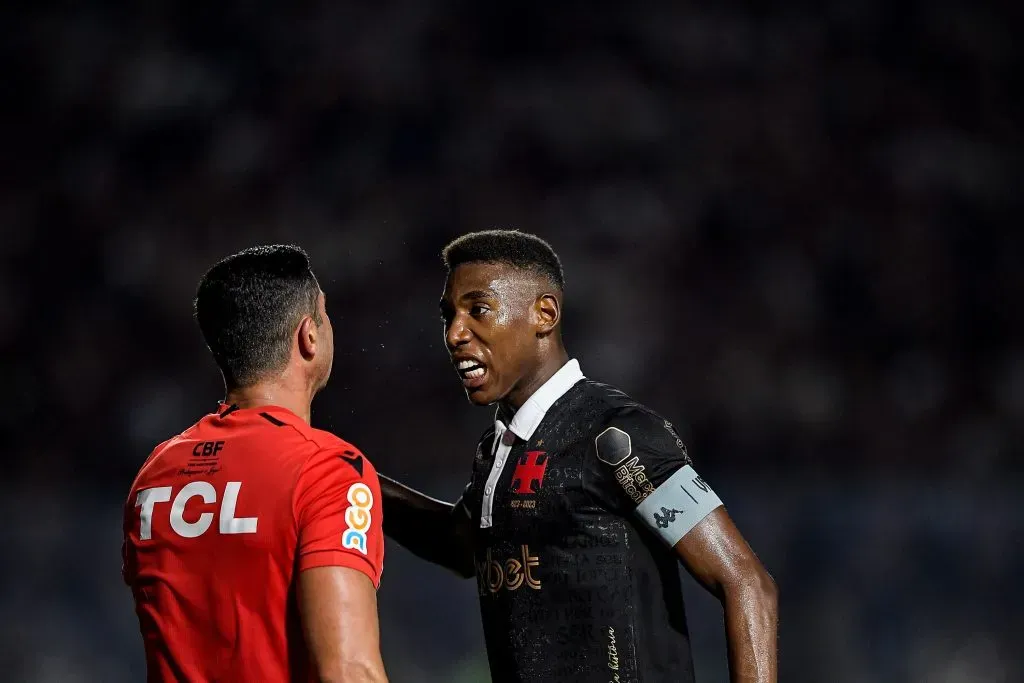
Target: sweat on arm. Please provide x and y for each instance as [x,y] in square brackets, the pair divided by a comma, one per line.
[645,470]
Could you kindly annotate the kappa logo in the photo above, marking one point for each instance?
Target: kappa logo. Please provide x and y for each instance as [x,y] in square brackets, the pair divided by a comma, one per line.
[666,517]
[529,470]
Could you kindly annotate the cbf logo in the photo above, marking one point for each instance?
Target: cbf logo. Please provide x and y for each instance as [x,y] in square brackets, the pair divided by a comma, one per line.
[358,517]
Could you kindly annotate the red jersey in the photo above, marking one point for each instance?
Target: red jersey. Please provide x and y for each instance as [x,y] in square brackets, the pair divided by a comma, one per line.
[219,522]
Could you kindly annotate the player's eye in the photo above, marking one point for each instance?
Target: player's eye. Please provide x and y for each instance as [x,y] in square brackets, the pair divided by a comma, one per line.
[476,310]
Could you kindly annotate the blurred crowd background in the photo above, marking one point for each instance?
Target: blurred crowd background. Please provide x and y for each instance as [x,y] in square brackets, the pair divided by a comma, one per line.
[792,229]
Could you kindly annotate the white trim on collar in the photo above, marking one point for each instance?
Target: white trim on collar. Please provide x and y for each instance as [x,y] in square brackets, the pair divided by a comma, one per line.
[526,420]
[524,423]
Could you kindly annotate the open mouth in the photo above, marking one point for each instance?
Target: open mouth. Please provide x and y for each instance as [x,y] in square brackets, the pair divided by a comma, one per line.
[473,373]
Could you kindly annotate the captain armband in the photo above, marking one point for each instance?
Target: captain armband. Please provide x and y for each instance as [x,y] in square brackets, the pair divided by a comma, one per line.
[678,505]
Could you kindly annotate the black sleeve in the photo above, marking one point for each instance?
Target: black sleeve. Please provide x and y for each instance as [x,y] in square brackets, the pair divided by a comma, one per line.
[470,501]
[643,468]
[432,529]
[464,505]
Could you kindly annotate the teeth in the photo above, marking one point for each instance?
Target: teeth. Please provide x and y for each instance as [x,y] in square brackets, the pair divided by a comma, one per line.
[470,369]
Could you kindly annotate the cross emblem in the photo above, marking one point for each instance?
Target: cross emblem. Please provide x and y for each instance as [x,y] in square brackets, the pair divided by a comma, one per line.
[529,469]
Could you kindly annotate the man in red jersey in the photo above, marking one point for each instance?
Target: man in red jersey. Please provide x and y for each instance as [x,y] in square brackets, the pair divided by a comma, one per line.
[252,541]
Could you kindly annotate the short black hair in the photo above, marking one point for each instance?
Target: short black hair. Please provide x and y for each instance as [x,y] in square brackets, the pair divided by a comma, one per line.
[248,305]
[512,247]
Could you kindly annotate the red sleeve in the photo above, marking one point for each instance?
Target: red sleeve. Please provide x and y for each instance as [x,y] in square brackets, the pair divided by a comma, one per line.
[127,557]
[125,577]
[338,510]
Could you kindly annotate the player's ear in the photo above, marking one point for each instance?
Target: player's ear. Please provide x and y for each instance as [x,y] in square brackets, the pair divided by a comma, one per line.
[549,312]
[308,337]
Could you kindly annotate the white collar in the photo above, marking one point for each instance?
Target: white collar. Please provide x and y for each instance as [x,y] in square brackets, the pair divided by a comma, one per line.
[524,423]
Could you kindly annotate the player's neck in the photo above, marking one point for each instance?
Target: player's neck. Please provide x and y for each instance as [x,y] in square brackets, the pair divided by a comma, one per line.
[545,371]
[271,394]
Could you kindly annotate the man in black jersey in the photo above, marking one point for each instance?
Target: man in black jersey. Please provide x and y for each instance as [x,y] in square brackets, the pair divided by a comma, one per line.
[581,502]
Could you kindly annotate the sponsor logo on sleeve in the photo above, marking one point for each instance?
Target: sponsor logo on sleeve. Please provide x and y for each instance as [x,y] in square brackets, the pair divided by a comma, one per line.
[614,447]
[358,517]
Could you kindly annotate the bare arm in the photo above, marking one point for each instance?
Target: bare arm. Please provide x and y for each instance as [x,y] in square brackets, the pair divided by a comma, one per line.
[717,555]
[678,505]
[339,617]
[433,530]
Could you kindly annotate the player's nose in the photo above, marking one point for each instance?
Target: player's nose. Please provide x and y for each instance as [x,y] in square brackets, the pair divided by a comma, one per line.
[458,333]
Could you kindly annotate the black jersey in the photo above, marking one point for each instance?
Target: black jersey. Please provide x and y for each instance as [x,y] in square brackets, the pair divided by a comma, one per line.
[575,516]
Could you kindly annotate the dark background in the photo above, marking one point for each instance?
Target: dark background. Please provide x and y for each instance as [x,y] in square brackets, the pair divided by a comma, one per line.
[793,231]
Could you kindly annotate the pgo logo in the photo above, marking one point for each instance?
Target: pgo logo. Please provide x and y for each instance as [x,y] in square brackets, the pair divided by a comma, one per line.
[357,517]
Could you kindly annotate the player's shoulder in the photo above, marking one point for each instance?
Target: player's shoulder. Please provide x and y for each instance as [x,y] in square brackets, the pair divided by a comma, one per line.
[624,422]
[588,403]
[611,405]
[330,445]
[292,428]
[328,441]
[155,455]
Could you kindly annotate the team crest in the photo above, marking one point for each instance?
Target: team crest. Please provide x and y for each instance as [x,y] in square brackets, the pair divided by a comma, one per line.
[528,476]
